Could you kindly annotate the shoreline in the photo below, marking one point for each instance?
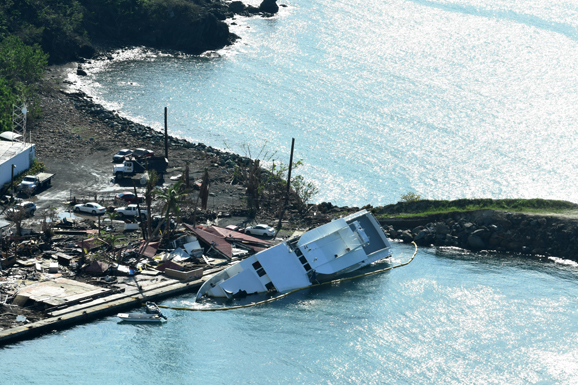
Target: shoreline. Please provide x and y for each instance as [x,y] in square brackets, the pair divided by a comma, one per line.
[97,130]
[500,237]
[457,227]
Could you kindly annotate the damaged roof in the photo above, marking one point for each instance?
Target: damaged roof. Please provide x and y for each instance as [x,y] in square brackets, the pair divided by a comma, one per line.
[222,239]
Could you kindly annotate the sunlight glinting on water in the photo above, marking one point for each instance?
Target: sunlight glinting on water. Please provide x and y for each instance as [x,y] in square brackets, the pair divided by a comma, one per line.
[374,96]
[450,99]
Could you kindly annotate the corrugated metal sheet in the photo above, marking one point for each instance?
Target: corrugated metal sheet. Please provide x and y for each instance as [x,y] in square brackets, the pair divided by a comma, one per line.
[149,250]
[222,239]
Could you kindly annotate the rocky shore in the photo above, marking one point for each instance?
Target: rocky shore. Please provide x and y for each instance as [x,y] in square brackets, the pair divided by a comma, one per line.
[104,130]
[491,230]
[76,134]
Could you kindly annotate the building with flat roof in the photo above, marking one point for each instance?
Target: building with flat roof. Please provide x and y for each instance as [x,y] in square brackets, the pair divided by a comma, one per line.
[15,154]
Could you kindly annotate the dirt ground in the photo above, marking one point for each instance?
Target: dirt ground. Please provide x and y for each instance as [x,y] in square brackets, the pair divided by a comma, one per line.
[78,149]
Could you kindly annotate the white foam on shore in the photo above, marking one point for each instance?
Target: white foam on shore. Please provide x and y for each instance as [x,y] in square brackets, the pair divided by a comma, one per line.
[562,261]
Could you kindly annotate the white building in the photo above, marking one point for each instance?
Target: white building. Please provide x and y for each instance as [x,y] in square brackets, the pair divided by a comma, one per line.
[17,155]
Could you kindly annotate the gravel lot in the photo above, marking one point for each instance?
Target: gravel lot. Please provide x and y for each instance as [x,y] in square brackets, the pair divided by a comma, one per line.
[78,149]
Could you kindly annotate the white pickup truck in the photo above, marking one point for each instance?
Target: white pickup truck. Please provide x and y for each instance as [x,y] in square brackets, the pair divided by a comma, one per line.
[131,211]
[31,183]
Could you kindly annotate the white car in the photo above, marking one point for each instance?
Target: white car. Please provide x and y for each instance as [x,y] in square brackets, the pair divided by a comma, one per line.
[264,230]
[91,208]
[27,207]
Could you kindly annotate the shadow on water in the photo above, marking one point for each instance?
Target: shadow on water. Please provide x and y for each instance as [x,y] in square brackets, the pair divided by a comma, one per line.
[489,261]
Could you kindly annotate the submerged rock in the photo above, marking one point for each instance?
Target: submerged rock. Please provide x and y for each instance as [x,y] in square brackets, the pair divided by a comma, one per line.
[269,6]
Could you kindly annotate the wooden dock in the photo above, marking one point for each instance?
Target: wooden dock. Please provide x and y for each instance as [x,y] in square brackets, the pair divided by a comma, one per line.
[101,307]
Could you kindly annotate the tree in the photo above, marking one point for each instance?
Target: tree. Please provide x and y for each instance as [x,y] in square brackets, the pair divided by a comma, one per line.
[204,190]
[410,197]
[20,63]
[48,220]
[172,196]
[111,240]
[152,181]
[21,68]
[305,191]
[7,99]
[17,215]
[254,187]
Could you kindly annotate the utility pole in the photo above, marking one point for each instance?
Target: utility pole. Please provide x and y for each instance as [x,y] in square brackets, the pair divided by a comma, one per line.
[166,136]
[12,181]
[288,188]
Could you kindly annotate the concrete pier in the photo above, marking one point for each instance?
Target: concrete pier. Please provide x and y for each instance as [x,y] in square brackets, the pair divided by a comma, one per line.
[101,307]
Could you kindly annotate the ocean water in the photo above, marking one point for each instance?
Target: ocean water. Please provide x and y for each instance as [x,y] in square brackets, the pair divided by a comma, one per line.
[448,317]
[448,99]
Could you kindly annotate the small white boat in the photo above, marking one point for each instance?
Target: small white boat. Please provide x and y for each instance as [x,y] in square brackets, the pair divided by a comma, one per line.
[140,317]
[322,254]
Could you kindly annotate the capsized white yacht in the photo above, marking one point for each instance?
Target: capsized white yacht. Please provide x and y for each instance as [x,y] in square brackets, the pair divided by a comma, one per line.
[321,254]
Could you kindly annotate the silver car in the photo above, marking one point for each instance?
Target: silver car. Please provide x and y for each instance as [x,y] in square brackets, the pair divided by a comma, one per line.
[27,207]
[91,208]
[264,230]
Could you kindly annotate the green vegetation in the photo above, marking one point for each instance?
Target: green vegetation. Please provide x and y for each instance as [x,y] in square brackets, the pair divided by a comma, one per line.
[35,32]
[66,29]
[410,197]
[429,207]
[172,197]
[21,68]
[275,184]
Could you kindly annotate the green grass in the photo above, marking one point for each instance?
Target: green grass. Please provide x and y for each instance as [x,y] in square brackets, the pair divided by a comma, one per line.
[429,207]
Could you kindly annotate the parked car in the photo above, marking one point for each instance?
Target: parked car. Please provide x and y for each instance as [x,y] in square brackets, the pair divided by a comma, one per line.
[27,207]
[127,196]
[264,230]
[131,211]
[119,157]
[90,207]
[142,153]
[235,228]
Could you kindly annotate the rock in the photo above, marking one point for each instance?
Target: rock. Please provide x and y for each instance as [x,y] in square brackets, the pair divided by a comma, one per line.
[484,234]
[494,241]
[422,234]
[469,227]
[236,7]
[269,6]
[81,72]
[442,228]
[514,246]
[406,236]
[475,242]
[417,230]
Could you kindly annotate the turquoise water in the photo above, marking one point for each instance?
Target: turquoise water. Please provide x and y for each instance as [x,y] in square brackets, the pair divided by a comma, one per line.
[448,317]
[449,99]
